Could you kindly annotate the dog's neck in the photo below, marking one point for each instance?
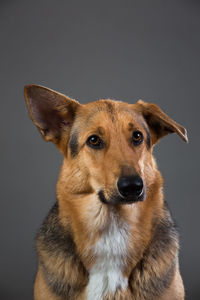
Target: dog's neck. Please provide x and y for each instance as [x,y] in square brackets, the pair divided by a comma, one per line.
[112,252]
[110,239]
[104,222]
[111,246]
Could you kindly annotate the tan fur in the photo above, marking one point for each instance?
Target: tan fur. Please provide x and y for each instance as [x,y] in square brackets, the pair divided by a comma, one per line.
[83,175]
[41,290]
[176,289]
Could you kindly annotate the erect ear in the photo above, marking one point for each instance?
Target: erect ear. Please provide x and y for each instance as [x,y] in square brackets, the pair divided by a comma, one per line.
[159,123]
[52,112]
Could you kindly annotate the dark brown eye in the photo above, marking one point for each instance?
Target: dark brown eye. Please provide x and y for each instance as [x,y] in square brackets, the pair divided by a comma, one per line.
[137,137]
[95,142]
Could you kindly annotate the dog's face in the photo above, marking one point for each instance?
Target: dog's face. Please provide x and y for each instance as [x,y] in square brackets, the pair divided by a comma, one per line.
[110,143]
[107,145]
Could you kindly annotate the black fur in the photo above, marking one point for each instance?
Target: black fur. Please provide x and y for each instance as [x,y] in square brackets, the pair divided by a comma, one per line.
[73,144]
[110,110]
[56,241]
[53,236]
[163,249]
[148,141]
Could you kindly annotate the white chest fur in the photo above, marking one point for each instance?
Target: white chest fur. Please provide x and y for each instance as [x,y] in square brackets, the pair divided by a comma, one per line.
[111,251]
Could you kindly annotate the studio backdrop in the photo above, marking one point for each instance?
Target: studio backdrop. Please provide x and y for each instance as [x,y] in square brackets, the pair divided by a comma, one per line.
[124,50]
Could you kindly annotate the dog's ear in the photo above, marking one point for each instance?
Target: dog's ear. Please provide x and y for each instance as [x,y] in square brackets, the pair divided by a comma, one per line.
[159,123]
[52,112]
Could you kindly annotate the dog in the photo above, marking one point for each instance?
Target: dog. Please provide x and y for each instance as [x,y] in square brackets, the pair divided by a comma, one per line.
[110,234]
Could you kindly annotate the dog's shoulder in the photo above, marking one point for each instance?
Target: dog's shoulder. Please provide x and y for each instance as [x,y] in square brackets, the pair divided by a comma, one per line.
[53,237]
[155,271]
[59,261]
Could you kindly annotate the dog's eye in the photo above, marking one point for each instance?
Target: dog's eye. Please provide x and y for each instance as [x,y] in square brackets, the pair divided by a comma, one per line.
[137,137]
[95,142]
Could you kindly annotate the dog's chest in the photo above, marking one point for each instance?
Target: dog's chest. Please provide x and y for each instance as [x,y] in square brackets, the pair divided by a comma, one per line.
[111,252]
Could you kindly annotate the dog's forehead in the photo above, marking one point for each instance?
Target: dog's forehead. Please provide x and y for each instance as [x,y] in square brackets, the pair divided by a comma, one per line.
[107,111]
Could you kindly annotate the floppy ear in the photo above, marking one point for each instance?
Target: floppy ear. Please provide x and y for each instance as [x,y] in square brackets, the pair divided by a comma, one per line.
[52,112]
[159,123]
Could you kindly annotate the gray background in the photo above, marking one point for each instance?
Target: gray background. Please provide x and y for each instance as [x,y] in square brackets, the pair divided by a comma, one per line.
[90,49]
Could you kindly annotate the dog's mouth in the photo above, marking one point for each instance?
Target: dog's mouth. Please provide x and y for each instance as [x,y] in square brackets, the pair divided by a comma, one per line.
[115,198]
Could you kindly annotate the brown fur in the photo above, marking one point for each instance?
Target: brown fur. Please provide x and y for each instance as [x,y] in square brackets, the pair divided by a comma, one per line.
[80,217]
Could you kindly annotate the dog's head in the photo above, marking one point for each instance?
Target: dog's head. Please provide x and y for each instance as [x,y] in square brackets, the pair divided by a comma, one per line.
[107,145]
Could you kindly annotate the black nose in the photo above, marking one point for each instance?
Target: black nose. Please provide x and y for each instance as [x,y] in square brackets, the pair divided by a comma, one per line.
[130,186]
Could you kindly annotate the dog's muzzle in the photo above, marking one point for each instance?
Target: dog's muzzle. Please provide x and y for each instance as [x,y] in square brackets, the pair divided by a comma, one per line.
[130,190]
